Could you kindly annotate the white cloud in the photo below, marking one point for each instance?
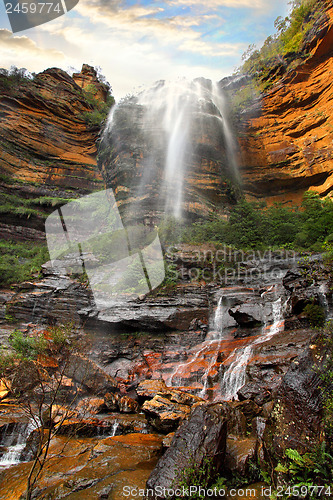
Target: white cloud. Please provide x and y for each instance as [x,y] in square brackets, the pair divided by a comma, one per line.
[215,4]
[22,51]
[25,45]
[137,44]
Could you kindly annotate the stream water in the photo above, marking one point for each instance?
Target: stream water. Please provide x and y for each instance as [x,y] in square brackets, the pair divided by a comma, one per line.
[14,441]
[216,368]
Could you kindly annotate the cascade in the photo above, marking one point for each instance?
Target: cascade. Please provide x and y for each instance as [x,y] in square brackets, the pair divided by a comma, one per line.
[115,426]
[235,376]
[158,143]
[204,355]
[218,316]
[15,442]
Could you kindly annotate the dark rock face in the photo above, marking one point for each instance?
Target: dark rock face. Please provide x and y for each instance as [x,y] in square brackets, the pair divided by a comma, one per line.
[296,420]
[202,436]
[89,375]
[253,392]
[244,319]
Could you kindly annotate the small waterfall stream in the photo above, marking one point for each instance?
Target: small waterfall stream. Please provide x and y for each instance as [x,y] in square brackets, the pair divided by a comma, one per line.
[14,443]
[235,376]
[200,370]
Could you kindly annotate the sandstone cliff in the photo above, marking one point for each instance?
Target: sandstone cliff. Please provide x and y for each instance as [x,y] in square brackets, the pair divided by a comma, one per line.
[286,139]
[48,151]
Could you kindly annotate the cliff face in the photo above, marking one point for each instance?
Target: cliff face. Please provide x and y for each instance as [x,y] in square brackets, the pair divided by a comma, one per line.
[287,141]
[47,149]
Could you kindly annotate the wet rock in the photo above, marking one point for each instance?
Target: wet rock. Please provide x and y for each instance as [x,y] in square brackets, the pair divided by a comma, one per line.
[184,398]
[165,415]
[239,453]
[198,324]
[258,427]
[111,401]
[104,493]
[271,359]
[91,406]
[237,425]
[267,409]
[128,405]
[244,319]
[254,392]
[294,280]
[248,407]
[100,466]
[168,439]
[296,419]
[147,389]
[201,437]
[88,374]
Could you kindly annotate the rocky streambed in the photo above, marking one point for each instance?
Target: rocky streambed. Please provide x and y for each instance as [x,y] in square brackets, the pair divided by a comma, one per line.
[201,371]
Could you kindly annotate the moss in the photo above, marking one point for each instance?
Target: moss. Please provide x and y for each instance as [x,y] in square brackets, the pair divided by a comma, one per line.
[20,261]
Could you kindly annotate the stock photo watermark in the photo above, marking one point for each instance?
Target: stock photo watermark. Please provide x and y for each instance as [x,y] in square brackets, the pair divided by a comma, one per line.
[27,14]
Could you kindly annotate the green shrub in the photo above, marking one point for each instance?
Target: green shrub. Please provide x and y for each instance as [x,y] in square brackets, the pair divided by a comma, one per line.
[20,261]
[252,225]
[286,44]
[27,347]
[315,315]
[100,109]
[306,470]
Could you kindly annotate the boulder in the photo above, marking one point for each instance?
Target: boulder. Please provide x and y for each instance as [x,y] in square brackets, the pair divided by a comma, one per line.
[128,405]
[111,401]
[89,375]
[254,392]
[248,407]
[91,406]
[168,440]
[165,411]
[165,415]
[294,280]
[147,389]
[239,452]
[244,319]
[201,438]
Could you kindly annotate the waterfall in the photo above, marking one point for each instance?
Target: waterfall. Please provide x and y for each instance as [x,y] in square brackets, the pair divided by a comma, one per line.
[204,354]
[235,376]
[115,426]
[15,442]
[218,317]
[158,141]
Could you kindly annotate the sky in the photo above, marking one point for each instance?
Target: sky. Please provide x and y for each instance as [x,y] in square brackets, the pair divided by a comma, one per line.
[136,43]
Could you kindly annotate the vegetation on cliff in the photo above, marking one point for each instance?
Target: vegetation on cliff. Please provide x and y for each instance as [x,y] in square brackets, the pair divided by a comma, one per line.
[287,44]
[280,52]
[253,225]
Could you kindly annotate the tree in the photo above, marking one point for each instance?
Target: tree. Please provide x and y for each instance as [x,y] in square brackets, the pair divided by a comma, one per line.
[43,357]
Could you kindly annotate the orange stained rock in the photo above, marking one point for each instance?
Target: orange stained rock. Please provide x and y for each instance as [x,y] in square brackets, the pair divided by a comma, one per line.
[288,149]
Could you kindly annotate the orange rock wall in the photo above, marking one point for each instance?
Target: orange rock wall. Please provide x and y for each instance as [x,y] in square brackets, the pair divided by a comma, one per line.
[287,148]
[44,138]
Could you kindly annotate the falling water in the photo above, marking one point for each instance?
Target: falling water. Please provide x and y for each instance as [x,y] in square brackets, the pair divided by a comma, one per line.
[15,443]
[235,376]
[163,127]
[218,316]
[115,426]
[207,351]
